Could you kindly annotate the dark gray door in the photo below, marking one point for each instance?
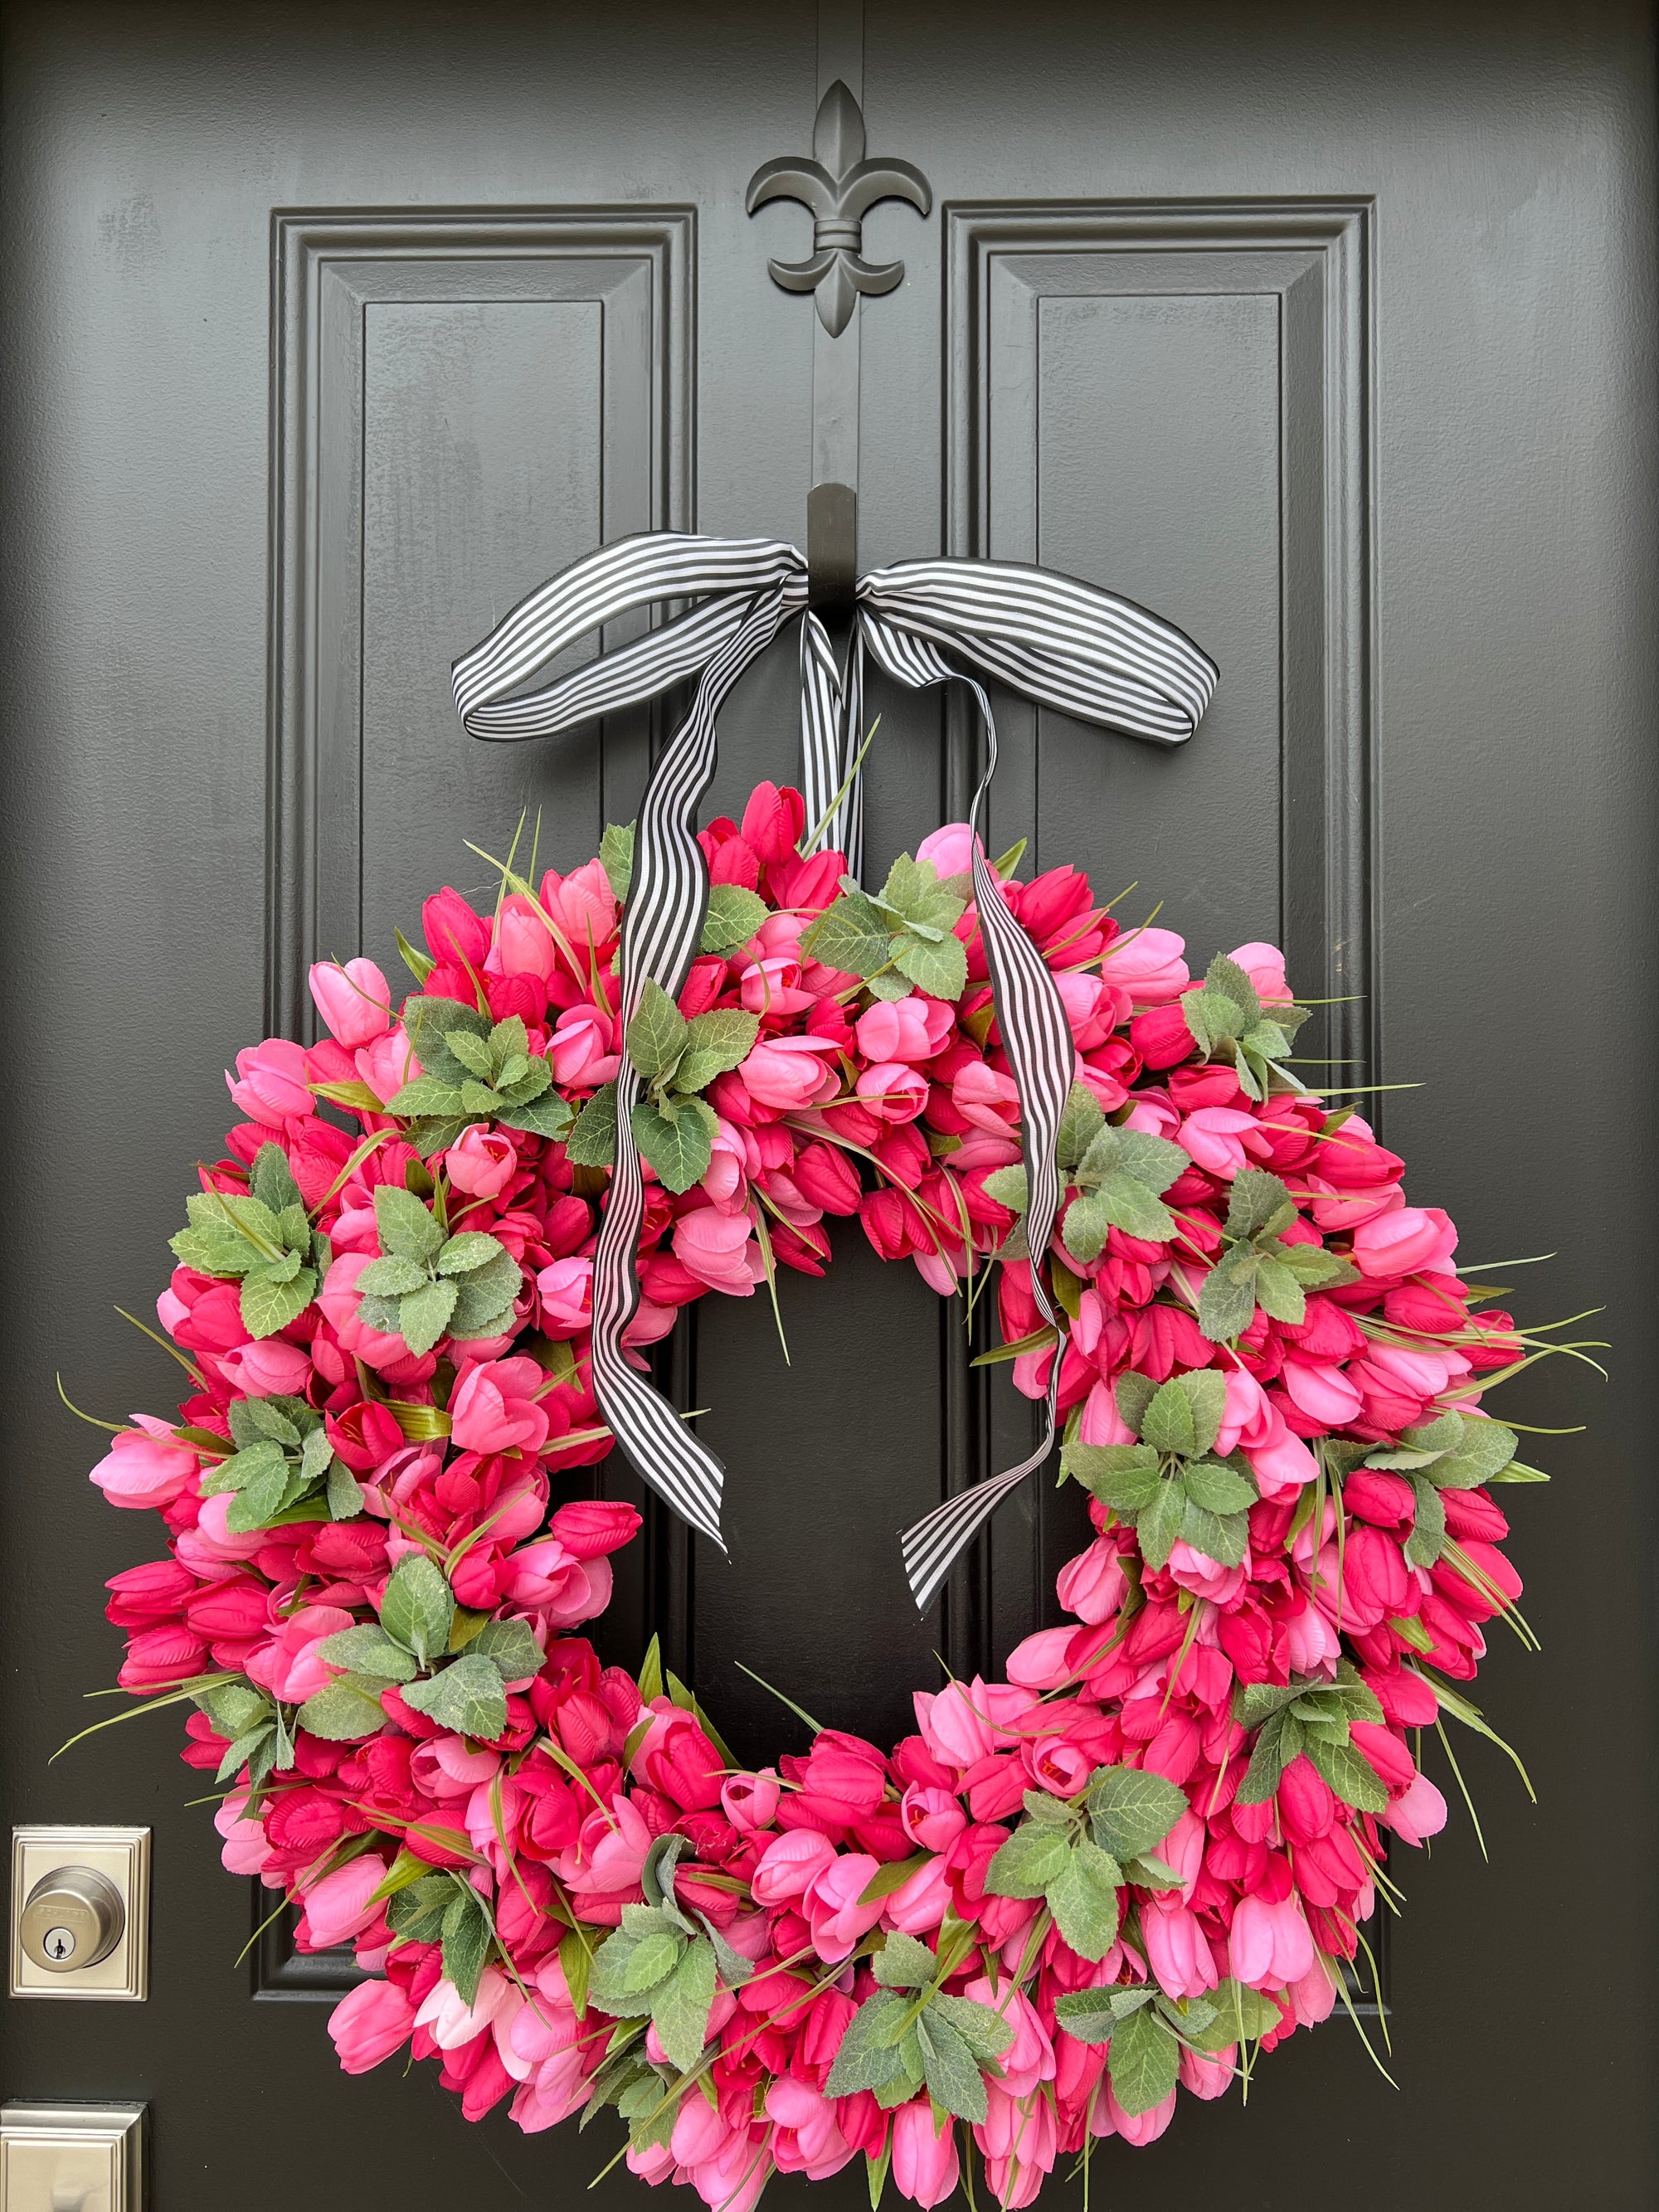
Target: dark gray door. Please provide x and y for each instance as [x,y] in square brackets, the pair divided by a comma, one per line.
[1325,331]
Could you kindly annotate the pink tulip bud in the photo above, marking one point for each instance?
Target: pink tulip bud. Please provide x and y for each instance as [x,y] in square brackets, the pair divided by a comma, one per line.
[482,1162]
[368,2024]
[354,1001]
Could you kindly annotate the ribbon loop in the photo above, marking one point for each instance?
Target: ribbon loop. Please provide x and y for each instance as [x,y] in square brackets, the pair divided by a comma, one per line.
[1056,641]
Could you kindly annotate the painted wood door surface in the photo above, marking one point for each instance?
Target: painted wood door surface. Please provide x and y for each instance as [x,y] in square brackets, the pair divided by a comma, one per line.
[1324,331]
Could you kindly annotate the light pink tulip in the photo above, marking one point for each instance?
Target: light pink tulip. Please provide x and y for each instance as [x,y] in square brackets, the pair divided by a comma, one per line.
[1213,1136]
[368,2024]
[496,1407]
[523,943]
[267,1367]
[339,1905]
[1417,1814]
[566,1293]
[1178,1950]
[1269,1944]
[925,2167]
[386,1064]
[1092,1585]
[354,1001]
[834,1912]
[912,1029]
[1265,966]
[893,1091]
[1408,1240]
[790,1864]
[718,1249]
[950,849]
[583,906]
[146,1466]
[790,1072]
[584,1051]
[288,1666]
[271,1083]
[1149,964]
[246,1851]
[482,1162]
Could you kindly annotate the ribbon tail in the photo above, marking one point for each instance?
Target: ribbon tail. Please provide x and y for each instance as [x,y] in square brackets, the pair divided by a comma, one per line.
[932,1545]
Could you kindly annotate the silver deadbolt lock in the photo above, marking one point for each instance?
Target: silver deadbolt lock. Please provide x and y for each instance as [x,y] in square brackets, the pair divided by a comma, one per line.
[72,1918]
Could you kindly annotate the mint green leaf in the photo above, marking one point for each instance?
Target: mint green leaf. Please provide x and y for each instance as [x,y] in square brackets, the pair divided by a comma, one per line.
[593,1141]
[1428,1538]
[1207,1393]
[892,988]
[462,1253]
[1144,2060]
[985,2030]
[679,2012]
[1084,1226]
[1126,1477]
[1033,1856]
[1007,1186]
[1224,1538]
[345,1493]
[1277,1292]
[904,1963]
[467,1697]
[268,1306]
[1241,2016]
[719,1041]
[940,969]
[1226,1305]
[344,1711]
[1484,1450]
[391,1278]
[1087,2014]
[511,1648]
[259,1499]
[617,857]
[679,1149]
[1227,976]
[734,914]
[1130,1810]
[425,1096]
[1279,1741]
[1159,1523]
[1155,1161]
[214,1249]
[654,1958]
[234,1708]
[242,1750]
[275,1419]
[417,1608]
[423,1315]
[657,1034]
[1314,1267]
[1080,1122]
[1133,1394]
[850,935]
[1220,1488]
[1083,1899]
[868,2058]
[367,1651]
[271,1179]
[949,2068]
[406,1227]
[465,1943]
[1129,1206]
[1349,1774]
[474,1053]
[1168,1422]
[1258,1202]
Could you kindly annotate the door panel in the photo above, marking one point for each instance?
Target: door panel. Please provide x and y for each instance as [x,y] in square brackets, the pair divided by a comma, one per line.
[1325,332]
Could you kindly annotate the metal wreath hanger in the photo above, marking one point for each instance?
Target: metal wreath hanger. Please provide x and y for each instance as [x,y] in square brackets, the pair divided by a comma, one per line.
[1053,639]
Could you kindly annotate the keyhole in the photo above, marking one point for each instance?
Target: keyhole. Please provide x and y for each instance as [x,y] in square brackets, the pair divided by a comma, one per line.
[59,1943]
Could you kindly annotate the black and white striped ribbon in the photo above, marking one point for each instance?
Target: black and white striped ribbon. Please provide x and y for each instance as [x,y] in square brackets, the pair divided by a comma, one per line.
[1061,642]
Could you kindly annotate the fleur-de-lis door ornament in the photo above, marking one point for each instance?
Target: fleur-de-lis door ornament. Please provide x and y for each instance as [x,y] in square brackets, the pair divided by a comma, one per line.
[840,186]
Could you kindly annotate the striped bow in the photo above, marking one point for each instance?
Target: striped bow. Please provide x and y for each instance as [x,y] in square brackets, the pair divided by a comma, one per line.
[1061,642]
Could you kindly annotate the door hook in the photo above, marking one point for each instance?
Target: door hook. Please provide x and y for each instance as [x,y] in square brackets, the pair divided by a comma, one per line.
[832,548]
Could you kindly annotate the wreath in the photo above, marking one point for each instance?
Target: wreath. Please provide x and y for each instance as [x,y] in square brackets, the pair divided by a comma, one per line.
[1147,1854]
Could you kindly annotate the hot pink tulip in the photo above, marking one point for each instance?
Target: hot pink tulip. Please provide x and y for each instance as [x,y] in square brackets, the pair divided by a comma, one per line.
[368,2024]
[482,1162]
[355,1000]
[145,1466]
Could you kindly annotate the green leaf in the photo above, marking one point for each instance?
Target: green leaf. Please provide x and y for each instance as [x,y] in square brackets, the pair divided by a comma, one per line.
[511,1648]
[1159,1523]
[548,1115]
[1258,1202]
[1087,2014]
[1126,1477]
[423,1315]
[1349,1774]
[367,1651]
[1083,1899]
[1007,1186]
[892,988]
[1144,2061]
[1130,1810]
[343,1710]
[259,1498]
[617,857]
[466,1944]
[422,1098]
[242,1750]
[274,1419]
[1279,1741]
[214,1249]
[1220,1488]
[1168,1423]
[1428,1538]
[734,914]
[268,1304]
[1133,1394]
[1484,1450]
[653,1958]
[391,1277]
[679,1149]
[719,1041]
[867,2058]
[1241,2016]
[467,1697]
[892,1875]
[1224,1538]
[406,1227]
[850,935]
[271,1180]
[417,1608]
[474,1054]
[462,1255]
[657,1033]
[1080,1122]
[1157,1161]
[949,2067]
[985,2030]
[904,1963]
[1277,1292]
[1033,1856]
[593,1141]
[679,2012]
[940,969]
[233,1708]
[1226,1305]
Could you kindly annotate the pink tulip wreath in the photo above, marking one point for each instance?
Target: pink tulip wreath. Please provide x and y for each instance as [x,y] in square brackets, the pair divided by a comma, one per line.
[1147,1854]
